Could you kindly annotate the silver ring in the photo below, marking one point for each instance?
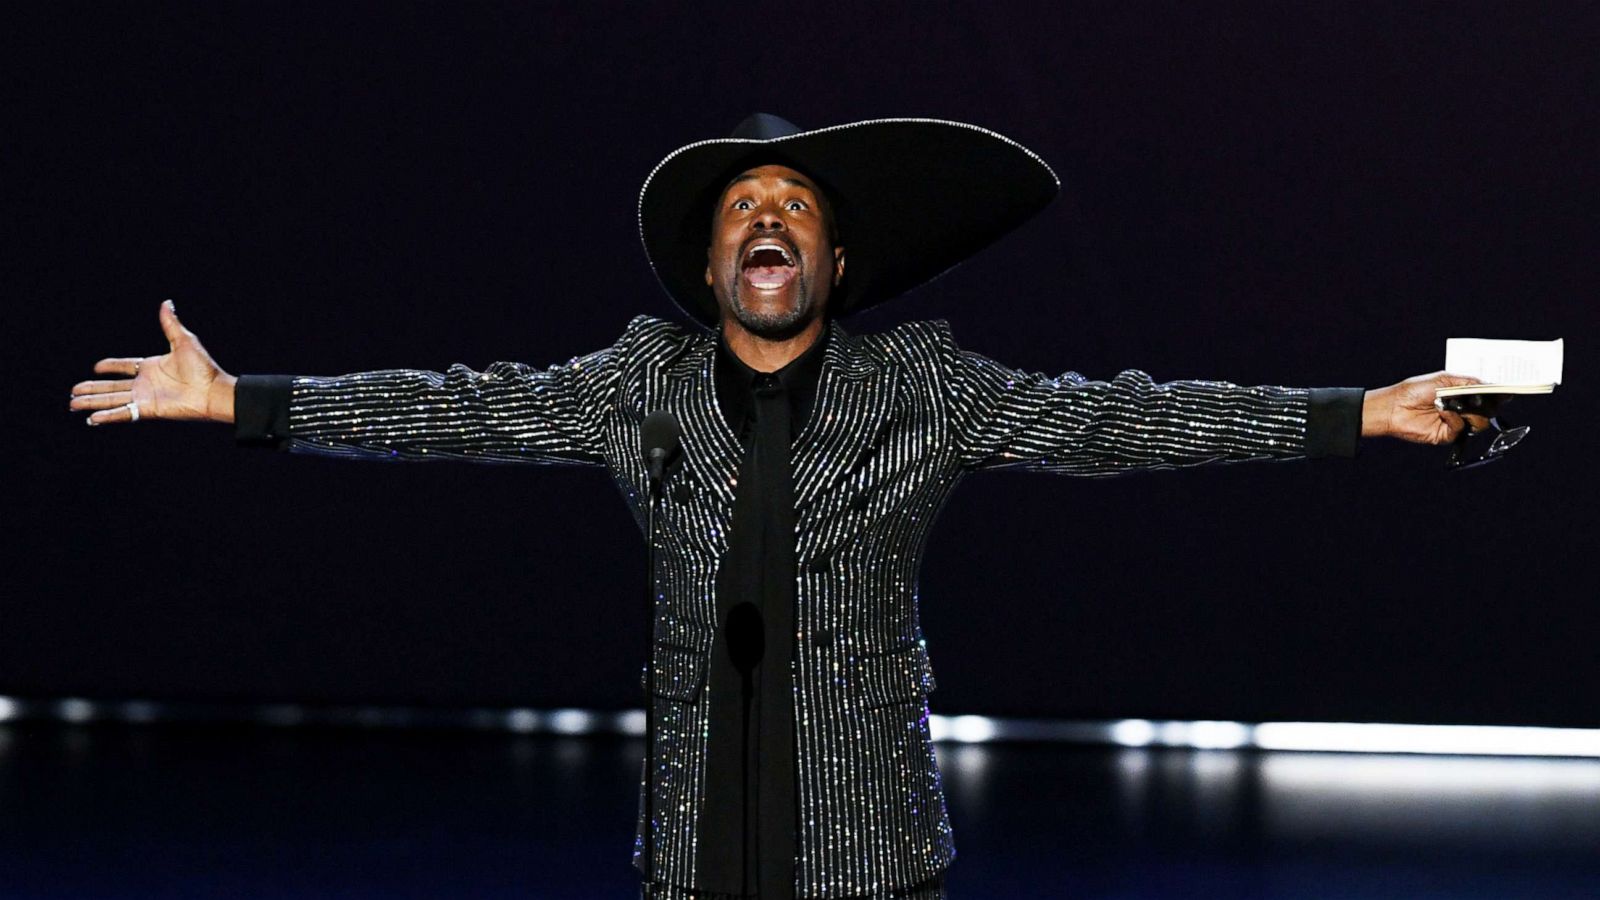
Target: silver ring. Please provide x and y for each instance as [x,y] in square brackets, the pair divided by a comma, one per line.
[136,364]
[133,410]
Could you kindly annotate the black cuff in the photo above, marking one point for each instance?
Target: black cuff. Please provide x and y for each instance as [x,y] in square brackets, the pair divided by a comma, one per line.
[261,410]
[1333,424]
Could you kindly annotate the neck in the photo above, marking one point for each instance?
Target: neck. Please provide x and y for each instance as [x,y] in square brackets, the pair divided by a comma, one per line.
[768,354]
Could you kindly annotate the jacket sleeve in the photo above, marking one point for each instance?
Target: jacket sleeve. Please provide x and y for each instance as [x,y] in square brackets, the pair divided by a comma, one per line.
[509,412]
[1002,417]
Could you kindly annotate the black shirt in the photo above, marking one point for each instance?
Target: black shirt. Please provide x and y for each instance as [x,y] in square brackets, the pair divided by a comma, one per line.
[749,822]
[735,382]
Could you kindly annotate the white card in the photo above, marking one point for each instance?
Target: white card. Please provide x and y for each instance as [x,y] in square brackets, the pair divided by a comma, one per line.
[1504,362]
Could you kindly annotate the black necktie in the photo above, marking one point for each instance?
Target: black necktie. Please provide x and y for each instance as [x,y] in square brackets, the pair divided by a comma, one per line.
[750,785]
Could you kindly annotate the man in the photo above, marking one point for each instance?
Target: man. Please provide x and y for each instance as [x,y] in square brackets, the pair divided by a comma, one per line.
[791,754]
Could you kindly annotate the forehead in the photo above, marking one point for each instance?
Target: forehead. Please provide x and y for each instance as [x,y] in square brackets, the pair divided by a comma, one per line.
[771,176]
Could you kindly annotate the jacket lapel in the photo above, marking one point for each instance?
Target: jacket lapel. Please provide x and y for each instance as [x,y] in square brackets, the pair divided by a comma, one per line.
[710,451]
[852,407]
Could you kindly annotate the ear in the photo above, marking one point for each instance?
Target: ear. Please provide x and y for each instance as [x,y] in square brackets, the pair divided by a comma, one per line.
[708,267]
[838,265]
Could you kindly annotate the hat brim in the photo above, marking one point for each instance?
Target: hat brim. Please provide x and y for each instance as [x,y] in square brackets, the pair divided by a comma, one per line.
[912,198]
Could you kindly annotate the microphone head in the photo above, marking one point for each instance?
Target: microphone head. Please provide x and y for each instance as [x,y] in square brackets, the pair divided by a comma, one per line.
[660,431]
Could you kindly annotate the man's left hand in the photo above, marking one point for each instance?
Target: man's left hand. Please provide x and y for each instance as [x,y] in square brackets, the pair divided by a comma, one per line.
[1407,411]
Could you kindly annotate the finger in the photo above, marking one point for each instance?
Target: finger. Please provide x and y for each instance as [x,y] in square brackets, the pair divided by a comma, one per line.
[111,416]
[170,326]
[1449,379]
[101,387]
[1452,421]
[119,365]
[1478,423]
[101,401]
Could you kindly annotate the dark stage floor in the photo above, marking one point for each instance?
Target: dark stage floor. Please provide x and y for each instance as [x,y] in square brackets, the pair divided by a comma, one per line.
[168,811]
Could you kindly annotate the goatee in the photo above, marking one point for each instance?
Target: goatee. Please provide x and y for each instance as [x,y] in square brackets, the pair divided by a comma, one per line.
[776,326]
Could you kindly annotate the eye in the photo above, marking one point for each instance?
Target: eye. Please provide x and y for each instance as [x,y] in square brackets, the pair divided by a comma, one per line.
[743,204]
[795,205]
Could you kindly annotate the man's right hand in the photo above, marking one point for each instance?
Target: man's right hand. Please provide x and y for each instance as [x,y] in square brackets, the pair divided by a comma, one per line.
[182,384]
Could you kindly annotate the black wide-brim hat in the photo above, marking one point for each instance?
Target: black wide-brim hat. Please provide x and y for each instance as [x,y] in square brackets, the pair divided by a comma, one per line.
[911,198]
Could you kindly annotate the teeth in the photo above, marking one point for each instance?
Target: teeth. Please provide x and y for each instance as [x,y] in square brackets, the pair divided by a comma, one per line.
[771,245]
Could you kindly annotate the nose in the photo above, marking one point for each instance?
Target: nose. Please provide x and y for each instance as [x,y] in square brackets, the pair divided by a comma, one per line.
[767,219]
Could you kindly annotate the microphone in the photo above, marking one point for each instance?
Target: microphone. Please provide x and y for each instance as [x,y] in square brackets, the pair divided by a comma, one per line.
[658,439]
[659,435]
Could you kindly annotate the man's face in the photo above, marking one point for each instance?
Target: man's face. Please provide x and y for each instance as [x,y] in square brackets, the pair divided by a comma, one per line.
[771,264]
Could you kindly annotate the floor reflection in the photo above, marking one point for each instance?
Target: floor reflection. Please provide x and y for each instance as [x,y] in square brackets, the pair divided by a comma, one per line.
[1112,822]
[1483,803]
[105,810]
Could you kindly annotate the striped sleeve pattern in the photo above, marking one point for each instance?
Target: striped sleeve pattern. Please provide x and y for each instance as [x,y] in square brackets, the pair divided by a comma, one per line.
[509,412]
[1004,418]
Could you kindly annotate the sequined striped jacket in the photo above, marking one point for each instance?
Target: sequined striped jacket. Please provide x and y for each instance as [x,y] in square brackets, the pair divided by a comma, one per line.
[898,419]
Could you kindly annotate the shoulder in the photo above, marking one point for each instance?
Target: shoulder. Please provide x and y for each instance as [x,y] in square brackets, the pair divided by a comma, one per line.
[926,333]
[908,343]
[646,341]
[653,339]
[644,329]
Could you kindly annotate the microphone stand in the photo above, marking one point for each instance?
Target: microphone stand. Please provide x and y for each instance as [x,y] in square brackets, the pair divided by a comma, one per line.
[658,459]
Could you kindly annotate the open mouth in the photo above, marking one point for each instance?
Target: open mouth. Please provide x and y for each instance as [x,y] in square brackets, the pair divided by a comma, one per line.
[768,265]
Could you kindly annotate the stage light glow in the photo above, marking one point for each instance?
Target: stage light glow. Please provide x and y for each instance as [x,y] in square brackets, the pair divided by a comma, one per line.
[572,721]
[1336,737]
[1133,733]
[972,729]
[1367,737]
[1405,775]
[1172,734]
[522,720]
[631,722]
[1210,735]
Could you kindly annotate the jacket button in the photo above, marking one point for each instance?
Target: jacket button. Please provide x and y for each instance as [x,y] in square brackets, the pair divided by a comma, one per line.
[682,494]
[818,566]
[860,502]
[822,639]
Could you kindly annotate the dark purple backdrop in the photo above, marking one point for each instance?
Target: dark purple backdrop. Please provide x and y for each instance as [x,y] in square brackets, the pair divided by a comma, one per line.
[1259,193]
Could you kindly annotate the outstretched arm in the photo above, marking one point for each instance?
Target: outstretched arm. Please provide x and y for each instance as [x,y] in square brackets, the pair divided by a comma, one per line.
[1407,411]
[183,384]
[507,413]
[1003,417]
